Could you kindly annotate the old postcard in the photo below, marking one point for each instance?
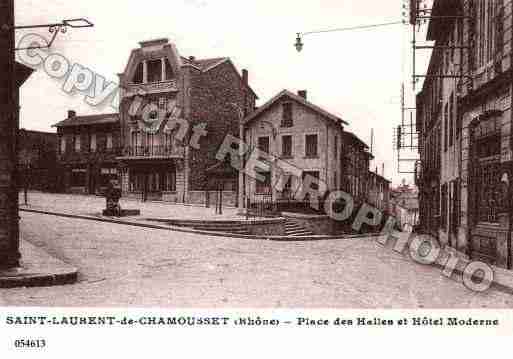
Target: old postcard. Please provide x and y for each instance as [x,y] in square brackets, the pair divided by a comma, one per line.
[183,171]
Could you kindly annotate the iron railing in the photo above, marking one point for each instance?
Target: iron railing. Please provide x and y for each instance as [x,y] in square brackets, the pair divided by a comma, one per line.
[154,151]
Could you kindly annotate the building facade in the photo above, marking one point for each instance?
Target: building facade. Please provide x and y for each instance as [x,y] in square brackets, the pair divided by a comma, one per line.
[296,139]
[465,129]
[355,167]
[192,104]
[379,192]
[88,147]
[37,160]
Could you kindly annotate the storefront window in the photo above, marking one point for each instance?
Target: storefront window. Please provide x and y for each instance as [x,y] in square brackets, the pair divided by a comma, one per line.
[487,142]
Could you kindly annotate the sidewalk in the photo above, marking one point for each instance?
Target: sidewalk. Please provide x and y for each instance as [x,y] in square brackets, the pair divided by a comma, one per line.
[38,269]
[502,278]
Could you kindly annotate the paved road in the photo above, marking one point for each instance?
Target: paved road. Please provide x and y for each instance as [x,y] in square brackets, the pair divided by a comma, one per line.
[127,266]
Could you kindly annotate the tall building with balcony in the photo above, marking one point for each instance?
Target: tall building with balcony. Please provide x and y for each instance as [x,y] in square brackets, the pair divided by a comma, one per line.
[466,172]
[192,104]
[88,147]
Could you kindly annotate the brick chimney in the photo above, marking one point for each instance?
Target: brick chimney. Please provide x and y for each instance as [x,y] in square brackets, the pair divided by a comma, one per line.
[245,77]
[72,114]
[302,93]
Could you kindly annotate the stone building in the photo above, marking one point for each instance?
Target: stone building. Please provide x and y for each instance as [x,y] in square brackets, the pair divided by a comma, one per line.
[168,102]
[296,138]
[355,167]
[379,192]
[37,160]
[465,129]
[88,147]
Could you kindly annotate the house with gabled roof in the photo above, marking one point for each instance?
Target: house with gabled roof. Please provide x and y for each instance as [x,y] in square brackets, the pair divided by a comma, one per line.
[292,132]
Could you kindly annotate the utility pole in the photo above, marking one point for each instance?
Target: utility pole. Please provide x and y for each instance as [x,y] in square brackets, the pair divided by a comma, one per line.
[9,216]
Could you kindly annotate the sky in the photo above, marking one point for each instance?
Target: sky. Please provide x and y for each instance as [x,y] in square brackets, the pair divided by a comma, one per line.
[356,75]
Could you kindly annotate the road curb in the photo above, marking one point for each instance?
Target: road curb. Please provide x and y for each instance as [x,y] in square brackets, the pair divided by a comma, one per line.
[38,280]
[194,231]
[37,269]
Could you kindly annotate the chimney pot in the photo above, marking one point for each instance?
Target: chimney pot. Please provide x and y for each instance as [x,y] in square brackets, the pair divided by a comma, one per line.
[71,114]
[192,58]
[303,94]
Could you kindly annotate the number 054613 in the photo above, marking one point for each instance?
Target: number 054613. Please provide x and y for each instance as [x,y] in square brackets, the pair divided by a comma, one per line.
[30,343]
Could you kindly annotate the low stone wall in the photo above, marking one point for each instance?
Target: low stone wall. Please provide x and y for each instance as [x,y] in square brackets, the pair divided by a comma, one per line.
[202,197]
[272,227]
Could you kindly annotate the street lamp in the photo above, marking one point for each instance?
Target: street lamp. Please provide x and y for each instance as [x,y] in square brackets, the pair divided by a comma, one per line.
[299,39]
[299,43]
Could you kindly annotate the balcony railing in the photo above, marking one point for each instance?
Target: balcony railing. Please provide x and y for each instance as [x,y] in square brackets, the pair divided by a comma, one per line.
[133,89]
[85,153]
[154,151]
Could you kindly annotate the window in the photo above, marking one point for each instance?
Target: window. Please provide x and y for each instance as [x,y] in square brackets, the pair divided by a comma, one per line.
[139,73]
[336,149]
[263,186]
[78,177]
[490,17]
[170,179]
[446,127]
[487,181]
[311,145]
[287,120]
[63,144]
[263,146]
[77,143]
[109,141]
[451,121]
[154,71]
[169,70]
[443,214]
[286,144]
[93,142]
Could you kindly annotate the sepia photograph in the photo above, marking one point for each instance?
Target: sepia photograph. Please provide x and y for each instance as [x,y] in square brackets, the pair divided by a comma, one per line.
[199,155]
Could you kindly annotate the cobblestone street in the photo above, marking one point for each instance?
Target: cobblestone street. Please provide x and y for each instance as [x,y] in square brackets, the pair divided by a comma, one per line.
[127,266]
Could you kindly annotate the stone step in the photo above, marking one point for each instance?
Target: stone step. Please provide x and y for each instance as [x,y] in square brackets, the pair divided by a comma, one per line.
[224,229]
[304,234]
[300,231]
